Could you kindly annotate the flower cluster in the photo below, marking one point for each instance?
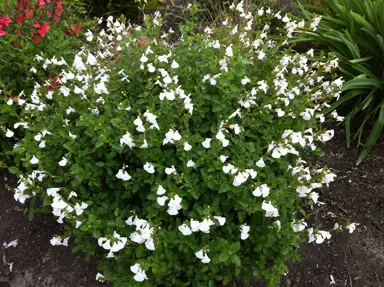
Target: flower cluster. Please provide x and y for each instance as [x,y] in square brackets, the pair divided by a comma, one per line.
[176,154]
[40,12]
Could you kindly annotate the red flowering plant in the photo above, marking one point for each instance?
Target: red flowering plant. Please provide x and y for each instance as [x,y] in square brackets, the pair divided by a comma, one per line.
[29,28]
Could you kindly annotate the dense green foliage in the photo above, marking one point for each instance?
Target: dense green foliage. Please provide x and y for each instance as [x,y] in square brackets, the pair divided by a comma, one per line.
[128,8]
[176,158]
[31,29]
[354,31]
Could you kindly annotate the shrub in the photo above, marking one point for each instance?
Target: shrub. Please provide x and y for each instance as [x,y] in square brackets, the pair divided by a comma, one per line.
[29,28]
[129,8]
[353,30]
[179,162]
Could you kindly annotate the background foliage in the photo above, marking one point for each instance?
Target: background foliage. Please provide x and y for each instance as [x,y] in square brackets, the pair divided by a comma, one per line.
[354,31]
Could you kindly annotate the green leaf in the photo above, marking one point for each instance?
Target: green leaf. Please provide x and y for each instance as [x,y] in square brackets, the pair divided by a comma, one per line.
[348,129]
[373,137]
[224,256]
[235,247]
[362,83]
[13,169]
[236,260]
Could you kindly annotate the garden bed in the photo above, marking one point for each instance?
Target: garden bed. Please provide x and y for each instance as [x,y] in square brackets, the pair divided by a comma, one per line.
[352,259]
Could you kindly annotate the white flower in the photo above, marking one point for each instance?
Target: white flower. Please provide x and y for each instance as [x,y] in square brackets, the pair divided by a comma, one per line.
[202,255]
[91,60]
[139,125]
[328,178]
[174,205]
[261,55]
[285,19]
[171,136]
[160,190]
[191,163]
[327,135]
[57,241]
[140,275]
[13,243]
[148,167]
[244,229]
[9,133]
[236,128]
[187,146]
[65,91]
[280,112]
[174,65]
[303,190]
[122,174]
[127,140]
[245,81]
[298,226]
[220,219]
[53,191]
[260,163]
[262,190]
[229,51]
[72,135]
[270,210]
[185,230]
[151,68]
[228,168]
[34,160]
[195,225]
[351,227]
[321,236]
[205,225]
[143,59]
[42,144]
[99,277]
[145,144]
[63,162]
[161,200]
[207,143]
[163,59]
[170,170]
[89,36]
[79,208]
[223,158]
[101,89]
[251,172]
[240,178]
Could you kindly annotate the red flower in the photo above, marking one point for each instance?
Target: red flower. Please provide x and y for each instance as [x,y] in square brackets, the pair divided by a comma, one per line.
[54,18]
[20,19]
[41,3]
[28,13]
[37,40]
[2,32]
[5,21]
[78,28]
[70,31]
[19,33]
[43,28]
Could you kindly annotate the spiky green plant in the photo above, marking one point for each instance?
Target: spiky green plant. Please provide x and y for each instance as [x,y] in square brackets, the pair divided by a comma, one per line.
[354,30]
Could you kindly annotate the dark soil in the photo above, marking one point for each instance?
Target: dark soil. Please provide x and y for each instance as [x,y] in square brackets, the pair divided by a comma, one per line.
[352,259]
[36,263]
[358,195]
